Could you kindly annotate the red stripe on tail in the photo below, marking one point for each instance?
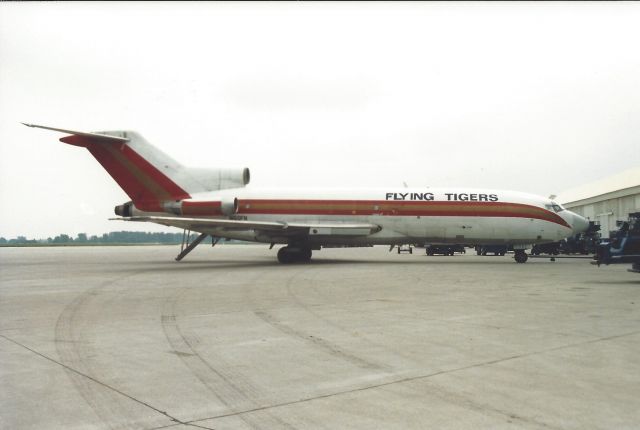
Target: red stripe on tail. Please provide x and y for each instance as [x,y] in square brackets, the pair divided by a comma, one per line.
[145,185]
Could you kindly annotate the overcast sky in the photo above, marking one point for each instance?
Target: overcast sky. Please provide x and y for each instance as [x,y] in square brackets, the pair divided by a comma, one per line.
[523,96]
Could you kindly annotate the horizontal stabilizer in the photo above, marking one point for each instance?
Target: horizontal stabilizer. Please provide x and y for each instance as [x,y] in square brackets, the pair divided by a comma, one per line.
[96,136]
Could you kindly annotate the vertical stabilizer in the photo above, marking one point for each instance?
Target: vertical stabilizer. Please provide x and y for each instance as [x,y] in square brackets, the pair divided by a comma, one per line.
[147,175]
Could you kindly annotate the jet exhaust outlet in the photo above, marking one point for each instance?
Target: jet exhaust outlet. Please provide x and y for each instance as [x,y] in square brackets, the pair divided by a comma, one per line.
[229,206]
[124,210]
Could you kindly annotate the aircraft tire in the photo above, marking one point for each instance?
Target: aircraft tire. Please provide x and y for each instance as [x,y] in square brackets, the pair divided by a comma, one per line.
[288,255]
[285,256]
[305,255]
[521,256]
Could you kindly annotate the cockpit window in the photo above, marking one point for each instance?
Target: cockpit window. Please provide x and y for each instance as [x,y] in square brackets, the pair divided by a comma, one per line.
[554,207]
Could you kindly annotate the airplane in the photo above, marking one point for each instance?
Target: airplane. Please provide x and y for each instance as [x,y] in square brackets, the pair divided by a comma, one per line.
[216,203]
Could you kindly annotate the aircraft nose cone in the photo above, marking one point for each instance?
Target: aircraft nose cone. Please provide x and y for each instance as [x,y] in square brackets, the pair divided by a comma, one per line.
[579,224]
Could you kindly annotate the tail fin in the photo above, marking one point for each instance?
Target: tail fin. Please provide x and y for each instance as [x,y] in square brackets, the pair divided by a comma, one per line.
[148,176]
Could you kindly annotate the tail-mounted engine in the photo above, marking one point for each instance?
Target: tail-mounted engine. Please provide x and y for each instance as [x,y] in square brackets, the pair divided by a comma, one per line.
[125,210]
[226,206]
[219,179]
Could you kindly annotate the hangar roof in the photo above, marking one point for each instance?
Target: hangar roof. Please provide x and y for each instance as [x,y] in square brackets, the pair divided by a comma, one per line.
[626,179]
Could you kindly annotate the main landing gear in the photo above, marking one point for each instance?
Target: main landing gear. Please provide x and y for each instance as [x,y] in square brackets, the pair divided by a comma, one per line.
[293,254]
[521,256]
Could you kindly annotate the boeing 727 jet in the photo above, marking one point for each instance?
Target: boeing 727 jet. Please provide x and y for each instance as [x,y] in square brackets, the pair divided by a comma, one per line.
[215,202]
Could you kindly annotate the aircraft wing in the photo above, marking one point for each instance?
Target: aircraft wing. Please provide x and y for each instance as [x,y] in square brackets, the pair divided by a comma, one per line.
[205,225]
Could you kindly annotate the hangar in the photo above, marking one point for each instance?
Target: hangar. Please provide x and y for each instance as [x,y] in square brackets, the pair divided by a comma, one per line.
[606,201]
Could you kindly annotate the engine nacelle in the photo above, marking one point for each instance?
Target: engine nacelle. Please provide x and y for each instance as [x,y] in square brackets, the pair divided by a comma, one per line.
[128,209]
[220,179]
[125,209]
[227,206]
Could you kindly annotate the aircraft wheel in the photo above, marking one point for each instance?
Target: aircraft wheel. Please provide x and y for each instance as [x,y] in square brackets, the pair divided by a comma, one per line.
[305,255]
[288,255]
[285,256]
[521,256]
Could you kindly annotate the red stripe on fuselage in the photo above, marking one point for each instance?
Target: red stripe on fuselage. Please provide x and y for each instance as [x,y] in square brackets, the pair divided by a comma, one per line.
[396,208]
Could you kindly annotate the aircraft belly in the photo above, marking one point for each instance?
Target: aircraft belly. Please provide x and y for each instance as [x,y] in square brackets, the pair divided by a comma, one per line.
[470,230]
[398,229]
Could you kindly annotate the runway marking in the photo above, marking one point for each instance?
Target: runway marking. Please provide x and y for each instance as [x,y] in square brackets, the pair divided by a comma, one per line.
[413,378]
[107,386]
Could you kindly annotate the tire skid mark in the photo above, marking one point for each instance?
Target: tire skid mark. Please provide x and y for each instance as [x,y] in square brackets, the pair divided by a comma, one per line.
[75,350]
[89,377]
[333,349]
[319,342]
[399,355]
[230,388]
[426,377]
[459,399]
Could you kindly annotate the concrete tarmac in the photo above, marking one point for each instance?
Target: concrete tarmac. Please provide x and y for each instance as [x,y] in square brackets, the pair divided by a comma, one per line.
[126,338]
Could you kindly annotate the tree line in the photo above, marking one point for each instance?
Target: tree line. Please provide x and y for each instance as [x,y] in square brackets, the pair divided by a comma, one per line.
[119,237]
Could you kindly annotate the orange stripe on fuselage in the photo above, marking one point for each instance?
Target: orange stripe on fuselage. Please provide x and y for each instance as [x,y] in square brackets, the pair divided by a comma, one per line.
[395,208]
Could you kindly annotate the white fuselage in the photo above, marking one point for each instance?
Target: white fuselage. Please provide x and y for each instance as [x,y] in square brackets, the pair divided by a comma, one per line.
[165,192]
[405,215]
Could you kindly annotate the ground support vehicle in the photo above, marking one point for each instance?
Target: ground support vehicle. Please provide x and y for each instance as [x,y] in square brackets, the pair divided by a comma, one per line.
[445,249]
[405,249]
[623,247]
[552,248]
[491,249]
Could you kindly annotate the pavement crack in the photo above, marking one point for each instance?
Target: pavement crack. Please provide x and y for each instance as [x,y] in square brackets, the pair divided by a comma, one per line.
[414,378]
[105,385]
